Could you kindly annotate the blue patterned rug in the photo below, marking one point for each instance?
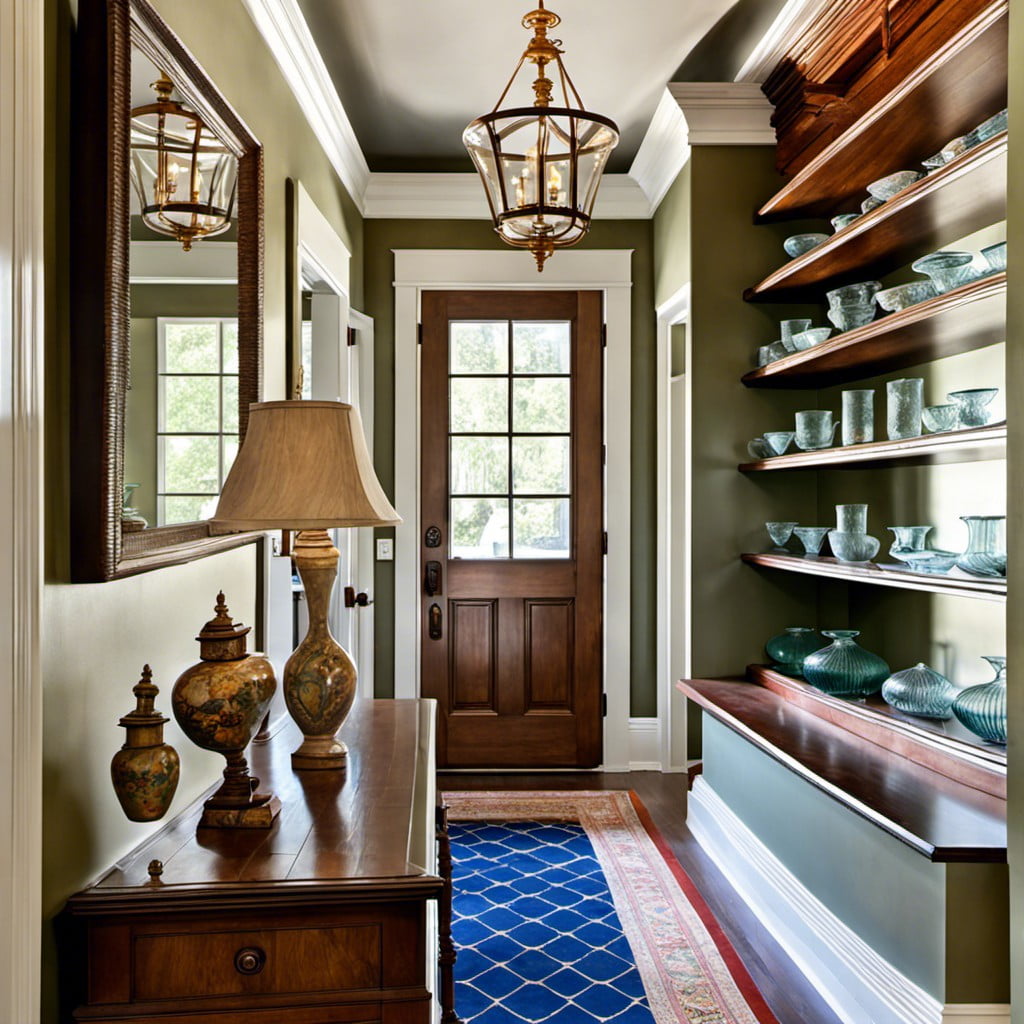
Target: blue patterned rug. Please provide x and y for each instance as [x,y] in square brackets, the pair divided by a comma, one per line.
[537,933]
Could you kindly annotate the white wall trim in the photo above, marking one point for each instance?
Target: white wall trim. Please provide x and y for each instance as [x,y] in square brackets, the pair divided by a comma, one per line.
[663,152]
[417,270]
[287,35]
[22,182]
[416,196]
[644,745]
[859,985]
[976,1013]
[792,23]
[672,623]
[724,113]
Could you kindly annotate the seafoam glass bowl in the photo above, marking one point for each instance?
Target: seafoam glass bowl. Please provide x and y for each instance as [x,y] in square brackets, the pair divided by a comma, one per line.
[947,269]
[759,449]
[940,418]
[871,203]
[812,538]
[995,257]
[843,220]
[797,245]
[779,440]
[903,295]
[993,126]
[807,339]
[892,184]
[932,562]
[972,405]
[850,316]
[862,292]
[779,533]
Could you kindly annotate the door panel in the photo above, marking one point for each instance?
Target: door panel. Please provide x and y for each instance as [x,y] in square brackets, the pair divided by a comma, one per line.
[512,478]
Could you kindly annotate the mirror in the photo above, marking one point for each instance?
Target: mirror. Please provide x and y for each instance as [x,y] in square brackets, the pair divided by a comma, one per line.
[167,293]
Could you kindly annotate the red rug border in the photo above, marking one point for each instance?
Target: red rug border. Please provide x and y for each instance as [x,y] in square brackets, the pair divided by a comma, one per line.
[744,982]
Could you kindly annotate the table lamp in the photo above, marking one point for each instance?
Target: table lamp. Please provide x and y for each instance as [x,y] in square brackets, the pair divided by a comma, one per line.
[304,466]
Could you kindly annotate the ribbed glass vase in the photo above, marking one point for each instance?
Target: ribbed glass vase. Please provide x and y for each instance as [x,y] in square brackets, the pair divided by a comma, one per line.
[788,650]
[983,708]
[844,668]
[920,691]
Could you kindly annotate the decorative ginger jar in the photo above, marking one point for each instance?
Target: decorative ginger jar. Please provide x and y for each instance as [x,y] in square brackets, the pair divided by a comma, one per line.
[788,650]
[845,669]
[145,770]
[983,708]
[920,691]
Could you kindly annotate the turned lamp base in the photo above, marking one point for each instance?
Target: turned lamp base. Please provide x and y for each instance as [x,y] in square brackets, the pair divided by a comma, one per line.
[320,678]
[237,804]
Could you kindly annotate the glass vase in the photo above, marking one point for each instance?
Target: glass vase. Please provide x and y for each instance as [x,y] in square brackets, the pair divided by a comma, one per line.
[920,691]
[904,404]
[983,708]
[907,539]
[844,668]
[986,546]
[788,650]
[858,418]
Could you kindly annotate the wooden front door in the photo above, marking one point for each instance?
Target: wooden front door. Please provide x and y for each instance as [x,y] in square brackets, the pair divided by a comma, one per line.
[512,509]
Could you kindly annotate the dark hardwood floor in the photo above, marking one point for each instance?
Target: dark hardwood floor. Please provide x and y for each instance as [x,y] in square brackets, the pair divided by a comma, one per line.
[787,991]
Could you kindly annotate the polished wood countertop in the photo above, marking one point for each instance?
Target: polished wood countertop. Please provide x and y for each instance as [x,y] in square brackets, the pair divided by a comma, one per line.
[940,818]
[344,834]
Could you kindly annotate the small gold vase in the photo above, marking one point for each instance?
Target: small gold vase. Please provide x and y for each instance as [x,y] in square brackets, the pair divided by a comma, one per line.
[145,770]
[219,703]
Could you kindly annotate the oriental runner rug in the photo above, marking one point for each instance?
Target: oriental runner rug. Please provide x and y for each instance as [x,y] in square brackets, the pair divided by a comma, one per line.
[570,908]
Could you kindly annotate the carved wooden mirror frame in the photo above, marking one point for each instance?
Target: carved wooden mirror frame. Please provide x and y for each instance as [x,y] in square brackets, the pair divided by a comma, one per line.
[107,32]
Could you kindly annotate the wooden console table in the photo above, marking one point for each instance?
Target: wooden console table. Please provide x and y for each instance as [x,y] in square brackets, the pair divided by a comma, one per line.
[326,917]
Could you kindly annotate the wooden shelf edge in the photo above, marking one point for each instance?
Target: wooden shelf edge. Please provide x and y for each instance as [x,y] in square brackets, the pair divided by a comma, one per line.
[831,568]
[981,768]
[955,445]
[965,166]
[787,203]
[789,756]
[790,368]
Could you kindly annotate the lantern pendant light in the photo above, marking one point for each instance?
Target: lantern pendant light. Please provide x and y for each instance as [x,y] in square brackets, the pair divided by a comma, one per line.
[184,176]
[541,165]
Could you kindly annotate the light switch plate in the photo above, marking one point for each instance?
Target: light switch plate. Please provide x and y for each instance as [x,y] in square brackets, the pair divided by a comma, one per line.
[385,549]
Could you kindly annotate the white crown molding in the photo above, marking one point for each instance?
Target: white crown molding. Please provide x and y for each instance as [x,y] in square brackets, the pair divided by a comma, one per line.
[976,1013]
[860,985]
[420,196]
[724,113]
[663,152]
[286,33]
[792,23]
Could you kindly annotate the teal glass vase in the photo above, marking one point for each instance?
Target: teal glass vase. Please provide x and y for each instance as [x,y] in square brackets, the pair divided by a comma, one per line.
[920,691]
[983,708]
[788,650]
[844,668]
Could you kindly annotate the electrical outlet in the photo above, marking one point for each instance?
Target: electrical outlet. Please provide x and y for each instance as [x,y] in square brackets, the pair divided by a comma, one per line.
[385,549]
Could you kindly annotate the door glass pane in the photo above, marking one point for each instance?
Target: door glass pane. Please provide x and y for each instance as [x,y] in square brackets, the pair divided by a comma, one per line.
[541,527]
[540,465]
[479,528]
[541,405]
[540,348]
[192,404]
[479,404]
[191,465]
[478,347]
[479,465]
[192,348]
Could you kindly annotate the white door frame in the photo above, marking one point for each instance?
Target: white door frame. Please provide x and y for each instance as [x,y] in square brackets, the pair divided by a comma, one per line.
[606,270]
[22,178]
[673,526]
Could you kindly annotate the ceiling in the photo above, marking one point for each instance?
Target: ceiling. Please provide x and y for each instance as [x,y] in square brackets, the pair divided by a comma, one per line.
[411,75]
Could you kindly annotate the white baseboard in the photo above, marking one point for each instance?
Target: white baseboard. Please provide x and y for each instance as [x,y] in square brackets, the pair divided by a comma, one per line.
[644,745]
[976,1013]
[860,986]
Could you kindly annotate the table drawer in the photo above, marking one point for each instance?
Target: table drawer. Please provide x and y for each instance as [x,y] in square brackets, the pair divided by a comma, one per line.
[271,961]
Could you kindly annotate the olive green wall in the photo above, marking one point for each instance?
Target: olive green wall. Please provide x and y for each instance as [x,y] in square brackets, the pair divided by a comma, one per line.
[672,239]
[944,926]
[1015,494]
[99,636]
[381,237]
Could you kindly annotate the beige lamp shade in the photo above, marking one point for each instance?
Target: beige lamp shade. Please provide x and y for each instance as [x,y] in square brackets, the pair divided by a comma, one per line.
[303,466]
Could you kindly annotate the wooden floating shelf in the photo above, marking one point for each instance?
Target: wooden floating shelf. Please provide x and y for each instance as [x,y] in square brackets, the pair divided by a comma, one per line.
[964,196]
[958,87]
[954,583]
[946,747]
[931,449]
[941,818]
[967,318]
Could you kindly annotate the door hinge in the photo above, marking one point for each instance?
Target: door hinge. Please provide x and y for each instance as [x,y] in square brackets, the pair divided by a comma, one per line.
[604,543]
[351,337]
[604,335]
[604,705]
[419,334]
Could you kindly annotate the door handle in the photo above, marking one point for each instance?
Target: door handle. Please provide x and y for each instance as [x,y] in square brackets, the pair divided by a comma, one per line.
[352,598]
[434,622]
[432,578]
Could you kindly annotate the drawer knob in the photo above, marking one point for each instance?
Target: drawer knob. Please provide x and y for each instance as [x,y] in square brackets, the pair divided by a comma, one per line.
[250,960]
